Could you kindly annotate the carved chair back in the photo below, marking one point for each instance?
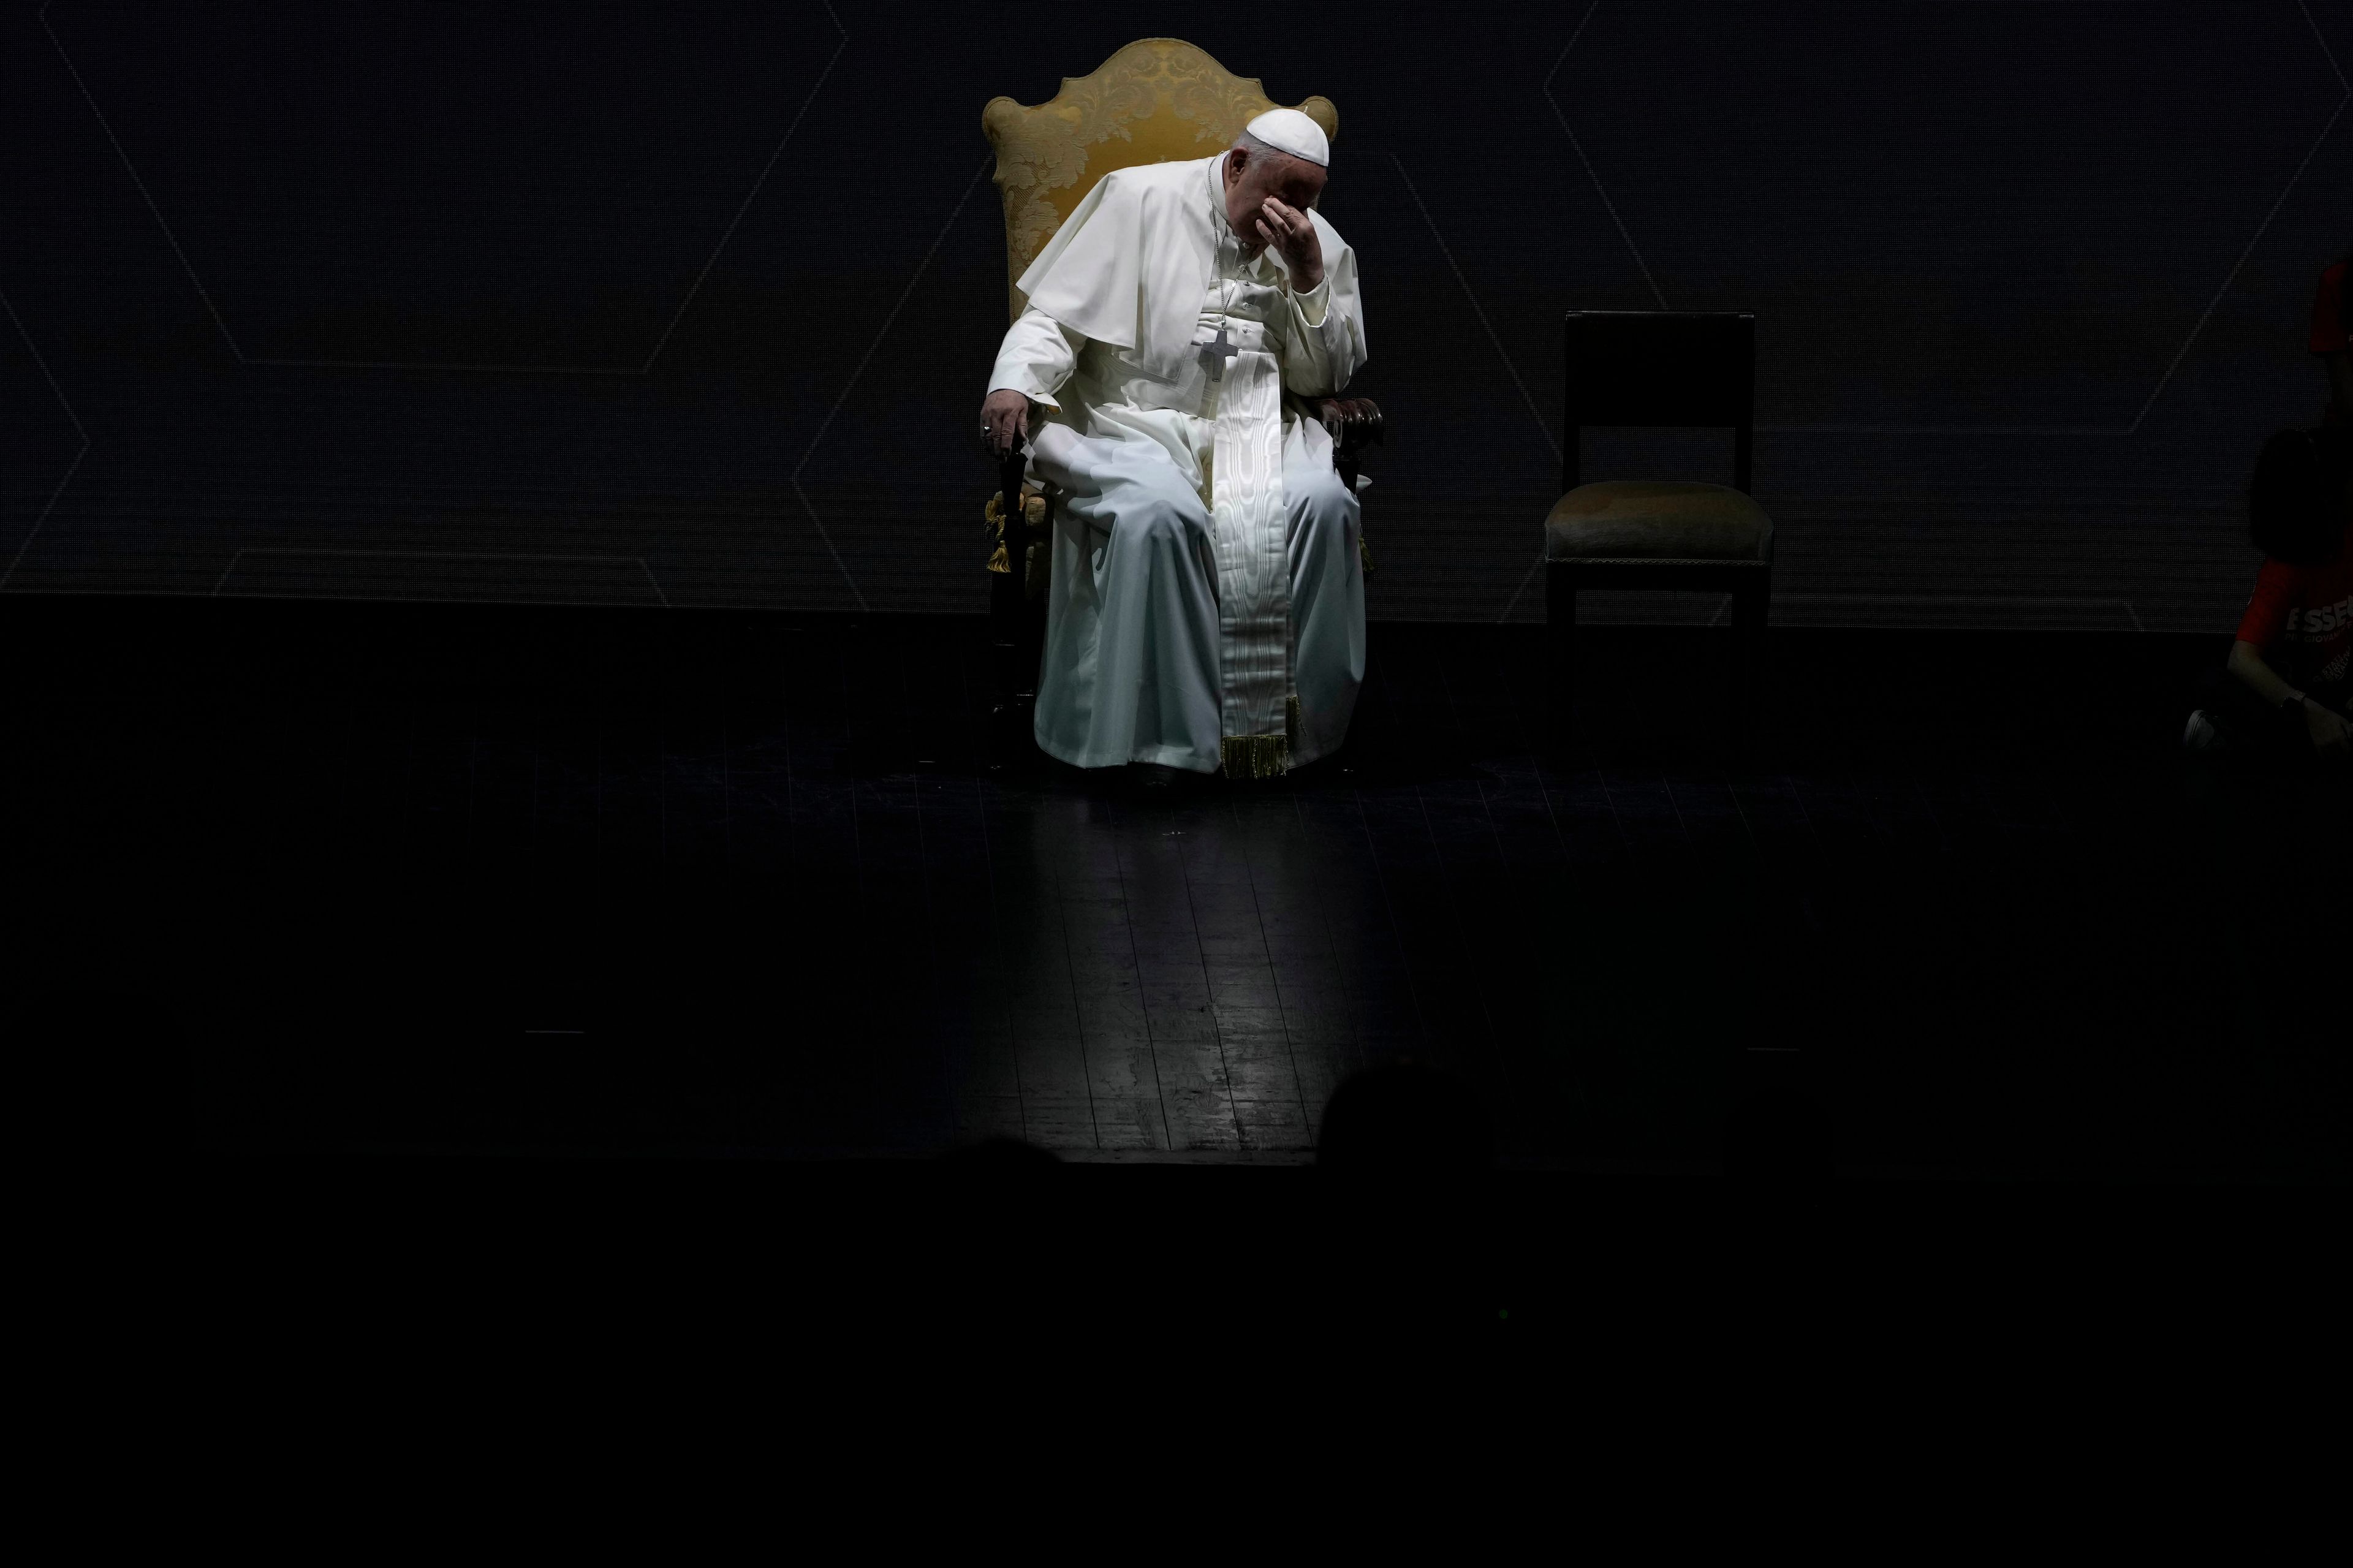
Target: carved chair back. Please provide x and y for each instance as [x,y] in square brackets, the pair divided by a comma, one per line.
[1159,100]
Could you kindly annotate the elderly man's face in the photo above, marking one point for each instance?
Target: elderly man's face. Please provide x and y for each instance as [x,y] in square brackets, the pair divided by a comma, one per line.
[1251,177]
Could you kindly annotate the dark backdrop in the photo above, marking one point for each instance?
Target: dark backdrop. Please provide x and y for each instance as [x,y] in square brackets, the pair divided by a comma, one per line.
[693,303]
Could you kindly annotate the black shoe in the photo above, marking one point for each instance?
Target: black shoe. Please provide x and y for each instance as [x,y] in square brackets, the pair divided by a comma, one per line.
[1154,779]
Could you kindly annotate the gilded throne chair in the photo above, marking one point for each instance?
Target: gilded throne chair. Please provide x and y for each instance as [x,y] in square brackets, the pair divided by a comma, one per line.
[1157,101]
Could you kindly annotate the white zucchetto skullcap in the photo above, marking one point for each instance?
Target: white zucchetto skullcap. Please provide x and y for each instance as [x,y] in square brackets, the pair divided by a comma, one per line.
[1288,131]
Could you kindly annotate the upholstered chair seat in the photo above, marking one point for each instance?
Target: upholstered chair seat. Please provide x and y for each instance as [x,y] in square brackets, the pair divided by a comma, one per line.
[1657,520]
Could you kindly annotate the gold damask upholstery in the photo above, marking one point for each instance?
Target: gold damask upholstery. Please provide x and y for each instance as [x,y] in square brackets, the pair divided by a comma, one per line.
[1159,100]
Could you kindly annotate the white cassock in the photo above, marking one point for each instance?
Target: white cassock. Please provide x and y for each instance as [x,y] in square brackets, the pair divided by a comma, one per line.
[1207,606]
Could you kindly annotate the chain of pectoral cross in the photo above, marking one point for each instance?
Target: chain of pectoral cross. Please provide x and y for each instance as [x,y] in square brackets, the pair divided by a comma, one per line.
[1222,348]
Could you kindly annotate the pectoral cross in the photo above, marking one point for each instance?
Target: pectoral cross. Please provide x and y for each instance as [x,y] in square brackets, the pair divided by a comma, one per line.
[1216,352]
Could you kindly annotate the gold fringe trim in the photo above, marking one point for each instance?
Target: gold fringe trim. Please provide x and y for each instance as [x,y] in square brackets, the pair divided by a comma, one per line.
[1260,756]
[1255,756]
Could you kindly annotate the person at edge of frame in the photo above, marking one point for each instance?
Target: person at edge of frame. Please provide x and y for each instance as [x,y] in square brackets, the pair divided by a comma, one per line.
[2285,689]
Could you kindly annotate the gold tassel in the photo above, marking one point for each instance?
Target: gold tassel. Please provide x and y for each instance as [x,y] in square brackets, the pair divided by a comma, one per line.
[1033,513]
[992,522]
[1260,756]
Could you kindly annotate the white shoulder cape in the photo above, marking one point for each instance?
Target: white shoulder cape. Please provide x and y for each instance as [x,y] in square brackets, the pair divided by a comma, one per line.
[1130,266]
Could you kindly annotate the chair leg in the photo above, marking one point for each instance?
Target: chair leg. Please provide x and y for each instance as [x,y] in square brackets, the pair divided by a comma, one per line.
[1033,649]
[1560,655]
[1749,606]
[1008,642]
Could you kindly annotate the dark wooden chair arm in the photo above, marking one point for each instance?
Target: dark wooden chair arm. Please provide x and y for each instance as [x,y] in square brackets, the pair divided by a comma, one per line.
[1354,423]
[1008,482]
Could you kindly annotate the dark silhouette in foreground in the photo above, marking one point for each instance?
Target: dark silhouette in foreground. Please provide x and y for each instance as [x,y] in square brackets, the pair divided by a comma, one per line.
[1407,1120]
[1001,1154]
[1778,1132]
[1402,1160]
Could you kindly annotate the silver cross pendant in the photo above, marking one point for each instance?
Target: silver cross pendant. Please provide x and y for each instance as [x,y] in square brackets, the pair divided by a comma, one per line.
[1216,352]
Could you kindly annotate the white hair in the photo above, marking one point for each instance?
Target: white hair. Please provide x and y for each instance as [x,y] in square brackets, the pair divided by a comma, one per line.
[1257,149]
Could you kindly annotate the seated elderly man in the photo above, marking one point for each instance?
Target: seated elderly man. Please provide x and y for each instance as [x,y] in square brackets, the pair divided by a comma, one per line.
[1207,606]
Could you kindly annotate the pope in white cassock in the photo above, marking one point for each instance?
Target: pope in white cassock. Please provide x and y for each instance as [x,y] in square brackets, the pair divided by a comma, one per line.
[1206,606]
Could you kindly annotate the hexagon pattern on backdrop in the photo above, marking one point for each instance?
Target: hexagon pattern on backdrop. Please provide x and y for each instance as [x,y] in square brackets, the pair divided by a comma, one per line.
[490,187]
[1900,279]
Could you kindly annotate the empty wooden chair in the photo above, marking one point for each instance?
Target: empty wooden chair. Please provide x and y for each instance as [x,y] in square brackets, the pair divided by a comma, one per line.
[1660,368]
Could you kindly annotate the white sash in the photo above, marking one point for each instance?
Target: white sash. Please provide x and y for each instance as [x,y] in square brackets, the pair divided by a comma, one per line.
[1253,558]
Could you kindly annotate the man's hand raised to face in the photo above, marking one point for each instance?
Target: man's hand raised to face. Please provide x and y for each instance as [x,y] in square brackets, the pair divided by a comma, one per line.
[1292,233]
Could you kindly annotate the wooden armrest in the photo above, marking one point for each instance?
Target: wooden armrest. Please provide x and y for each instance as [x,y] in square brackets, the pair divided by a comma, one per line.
[1008,482]
[1354,422]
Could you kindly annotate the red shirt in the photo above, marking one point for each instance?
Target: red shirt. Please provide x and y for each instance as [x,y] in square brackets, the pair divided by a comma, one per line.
[2302,619]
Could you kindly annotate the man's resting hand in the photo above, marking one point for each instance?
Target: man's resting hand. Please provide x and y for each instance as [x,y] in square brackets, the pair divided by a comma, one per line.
[1004,421]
